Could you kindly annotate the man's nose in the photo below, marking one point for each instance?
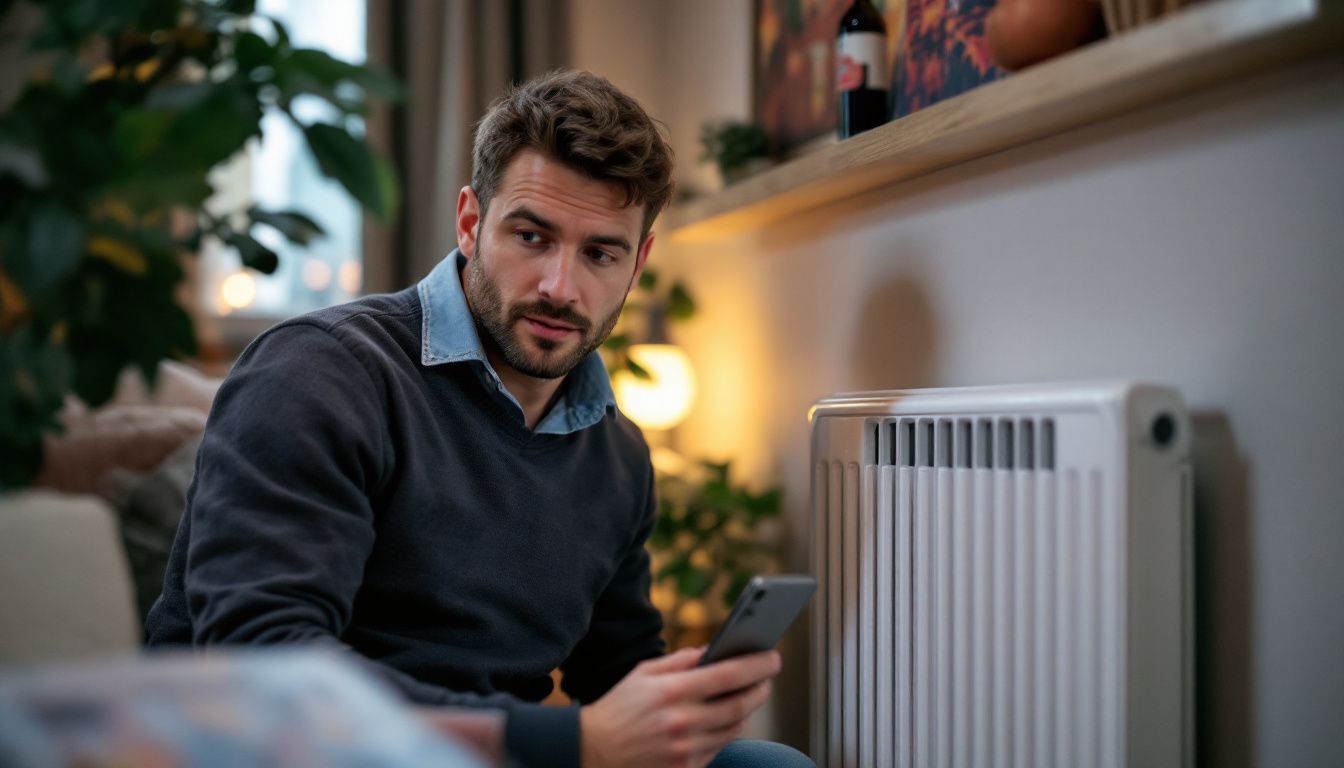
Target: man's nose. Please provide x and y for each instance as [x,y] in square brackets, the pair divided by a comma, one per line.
[558,279]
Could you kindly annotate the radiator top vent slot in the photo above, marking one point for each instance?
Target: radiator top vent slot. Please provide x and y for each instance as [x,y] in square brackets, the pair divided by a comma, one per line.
[1048,444]
[985,454]
[945,443]
[1005,447]
[1025,443]
[907,458]
[964,448]
[1026,455]
[926,435]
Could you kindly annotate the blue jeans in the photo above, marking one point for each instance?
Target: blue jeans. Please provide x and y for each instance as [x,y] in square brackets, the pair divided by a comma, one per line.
[746,753]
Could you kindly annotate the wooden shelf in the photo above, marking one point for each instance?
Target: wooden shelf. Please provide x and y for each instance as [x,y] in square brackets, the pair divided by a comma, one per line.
[1201,46]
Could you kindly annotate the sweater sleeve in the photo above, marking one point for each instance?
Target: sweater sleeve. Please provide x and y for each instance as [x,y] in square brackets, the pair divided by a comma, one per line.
[625,628]
[281,523]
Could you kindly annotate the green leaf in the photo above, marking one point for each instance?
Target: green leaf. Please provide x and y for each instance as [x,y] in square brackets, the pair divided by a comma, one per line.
[96,373]
[253,52]
[175,97]
[45,249]
[240,7]
[639,371]
[718,472]
[648,279]
[664,527]
[378,83]
[70,23]
[187,187]
[281,34]
[252,253]
[295,226]
[680,305]
[23,162]
[694,582]
[139,133]
[213,130]
[351,162]
[316,73]
[321,65]
[331,72]
[34,377]
[673,568]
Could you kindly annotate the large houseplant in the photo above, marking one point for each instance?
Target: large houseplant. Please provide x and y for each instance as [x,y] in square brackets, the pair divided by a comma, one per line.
[104,163]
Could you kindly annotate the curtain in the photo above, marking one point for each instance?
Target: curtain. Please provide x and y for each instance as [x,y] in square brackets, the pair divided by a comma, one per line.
[455,57]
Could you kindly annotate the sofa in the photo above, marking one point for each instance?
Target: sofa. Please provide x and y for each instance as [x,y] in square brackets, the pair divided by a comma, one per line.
[82,554]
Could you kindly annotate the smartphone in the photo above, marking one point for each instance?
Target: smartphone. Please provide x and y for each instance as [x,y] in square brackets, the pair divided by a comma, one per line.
[766,608]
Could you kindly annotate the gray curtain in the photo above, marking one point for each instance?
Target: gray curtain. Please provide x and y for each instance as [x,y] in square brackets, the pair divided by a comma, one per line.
[455,57]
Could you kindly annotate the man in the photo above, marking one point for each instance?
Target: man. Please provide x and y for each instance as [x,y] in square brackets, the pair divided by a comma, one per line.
[438,479]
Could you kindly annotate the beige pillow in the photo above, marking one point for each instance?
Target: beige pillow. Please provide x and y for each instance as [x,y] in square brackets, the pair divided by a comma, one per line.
[133,437]
[177,384]
[182,385]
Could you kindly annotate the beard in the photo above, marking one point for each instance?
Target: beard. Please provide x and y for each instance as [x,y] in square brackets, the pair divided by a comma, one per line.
[498,327]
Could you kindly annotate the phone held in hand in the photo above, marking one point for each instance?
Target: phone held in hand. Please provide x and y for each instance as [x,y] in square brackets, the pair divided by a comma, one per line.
[766,607]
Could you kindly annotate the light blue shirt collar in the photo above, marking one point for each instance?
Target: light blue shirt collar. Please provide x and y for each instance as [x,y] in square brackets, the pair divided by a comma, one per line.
[448,335]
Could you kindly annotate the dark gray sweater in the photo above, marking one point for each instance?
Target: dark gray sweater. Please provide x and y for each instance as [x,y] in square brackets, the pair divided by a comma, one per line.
[347,494]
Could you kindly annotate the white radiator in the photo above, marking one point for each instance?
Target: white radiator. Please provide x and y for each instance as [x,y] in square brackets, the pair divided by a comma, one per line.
[1005,578]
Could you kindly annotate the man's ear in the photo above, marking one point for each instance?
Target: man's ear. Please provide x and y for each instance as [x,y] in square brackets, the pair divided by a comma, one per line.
[468,221]
[642,257]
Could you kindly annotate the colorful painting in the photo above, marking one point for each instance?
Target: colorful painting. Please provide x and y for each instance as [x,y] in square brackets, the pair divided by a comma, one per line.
[942,53]
[936,48]
[795,64]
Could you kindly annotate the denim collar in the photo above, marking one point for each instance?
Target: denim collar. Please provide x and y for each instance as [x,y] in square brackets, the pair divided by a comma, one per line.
[448,335]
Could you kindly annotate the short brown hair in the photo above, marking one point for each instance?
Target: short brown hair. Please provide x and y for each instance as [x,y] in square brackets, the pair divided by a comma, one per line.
[583,121]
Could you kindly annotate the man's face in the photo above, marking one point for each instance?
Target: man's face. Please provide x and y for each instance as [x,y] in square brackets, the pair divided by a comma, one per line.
[550,264]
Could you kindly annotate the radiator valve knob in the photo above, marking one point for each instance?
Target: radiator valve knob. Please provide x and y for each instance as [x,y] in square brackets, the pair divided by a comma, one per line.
[1163,430]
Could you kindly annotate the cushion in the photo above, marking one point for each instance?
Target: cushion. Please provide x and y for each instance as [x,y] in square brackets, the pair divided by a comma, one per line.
[132,437]
[150,506]
[176,385]
[64,585]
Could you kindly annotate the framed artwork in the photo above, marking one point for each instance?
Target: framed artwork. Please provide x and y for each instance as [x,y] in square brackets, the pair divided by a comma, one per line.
[935,49]
[943,53]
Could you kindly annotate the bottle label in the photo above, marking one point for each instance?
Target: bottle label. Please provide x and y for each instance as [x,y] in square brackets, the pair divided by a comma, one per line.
[861,61]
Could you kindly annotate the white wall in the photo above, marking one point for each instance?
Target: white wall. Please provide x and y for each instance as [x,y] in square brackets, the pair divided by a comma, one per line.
[620,40]
[1198,243]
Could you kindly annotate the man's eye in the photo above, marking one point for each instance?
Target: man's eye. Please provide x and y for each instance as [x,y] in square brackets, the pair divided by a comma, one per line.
[530,238]
[601,257]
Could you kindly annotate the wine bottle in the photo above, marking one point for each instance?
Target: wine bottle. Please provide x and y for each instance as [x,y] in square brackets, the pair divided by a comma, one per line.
[861,69]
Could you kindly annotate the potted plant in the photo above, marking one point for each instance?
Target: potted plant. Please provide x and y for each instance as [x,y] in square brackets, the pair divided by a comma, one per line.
[105,158]
[710,538]
[737,148]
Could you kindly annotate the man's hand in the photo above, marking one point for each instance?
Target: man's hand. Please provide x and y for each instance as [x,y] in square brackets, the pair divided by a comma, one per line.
[668,712]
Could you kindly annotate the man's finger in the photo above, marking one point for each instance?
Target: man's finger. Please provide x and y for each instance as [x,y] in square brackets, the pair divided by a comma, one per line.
[731,675]
[733,708]
[686,658]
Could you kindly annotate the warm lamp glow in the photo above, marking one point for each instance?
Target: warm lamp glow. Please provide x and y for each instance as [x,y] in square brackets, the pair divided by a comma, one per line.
[238,290]
[316,274]
[662,401]
[350,276]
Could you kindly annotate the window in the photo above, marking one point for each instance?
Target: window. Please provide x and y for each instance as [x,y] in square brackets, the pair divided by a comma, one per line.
[278,173]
